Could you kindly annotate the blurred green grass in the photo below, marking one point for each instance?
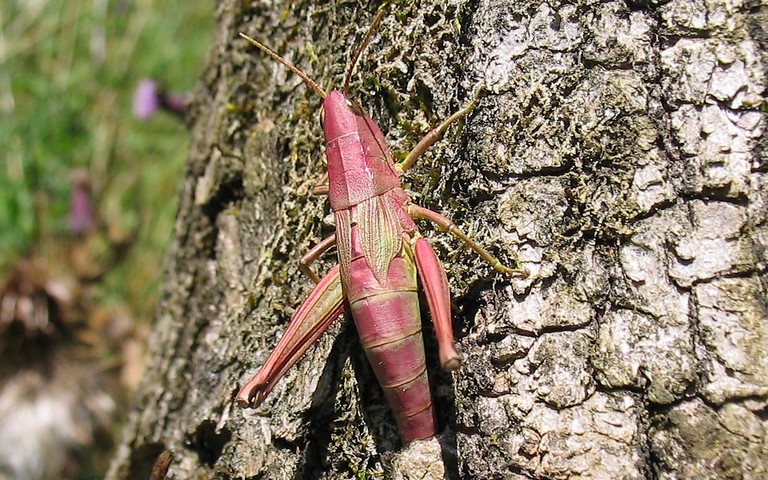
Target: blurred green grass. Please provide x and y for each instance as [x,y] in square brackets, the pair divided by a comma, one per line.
[68,69]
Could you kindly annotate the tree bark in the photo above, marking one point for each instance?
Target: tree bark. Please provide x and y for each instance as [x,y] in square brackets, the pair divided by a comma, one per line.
[619,151]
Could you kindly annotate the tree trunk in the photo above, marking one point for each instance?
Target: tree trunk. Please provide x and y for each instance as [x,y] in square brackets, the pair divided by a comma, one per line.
[619,151]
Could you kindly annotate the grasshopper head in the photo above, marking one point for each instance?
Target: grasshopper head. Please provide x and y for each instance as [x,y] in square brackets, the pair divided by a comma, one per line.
[340,115]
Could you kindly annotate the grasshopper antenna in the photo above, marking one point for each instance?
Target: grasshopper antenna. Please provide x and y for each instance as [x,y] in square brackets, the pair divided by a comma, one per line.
[311,83]
[363,43]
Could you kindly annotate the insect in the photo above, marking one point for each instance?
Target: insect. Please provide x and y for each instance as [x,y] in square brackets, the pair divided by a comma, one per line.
[380,253]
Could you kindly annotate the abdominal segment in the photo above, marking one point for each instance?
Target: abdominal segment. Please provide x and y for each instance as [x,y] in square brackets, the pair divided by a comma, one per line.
[389,326]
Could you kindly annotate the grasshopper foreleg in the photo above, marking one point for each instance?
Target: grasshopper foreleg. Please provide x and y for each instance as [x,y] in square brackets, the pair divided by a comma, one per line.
[321,187]
[434,135]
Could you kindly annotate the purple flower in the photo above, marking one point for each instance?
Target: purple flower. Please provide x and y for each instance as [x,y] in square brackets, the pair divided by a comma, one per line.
[149,97]
[146,99]
[82,218]
[175,103]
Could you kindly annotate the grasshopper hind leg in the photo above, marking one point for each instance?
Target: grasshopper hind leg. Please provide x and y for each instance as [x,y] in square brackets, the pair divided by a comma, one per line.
[438,295]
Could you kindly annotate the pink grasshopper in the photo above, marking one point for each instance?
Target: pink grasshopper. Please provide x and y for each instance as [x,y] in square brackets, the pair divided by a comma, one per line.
[380,252]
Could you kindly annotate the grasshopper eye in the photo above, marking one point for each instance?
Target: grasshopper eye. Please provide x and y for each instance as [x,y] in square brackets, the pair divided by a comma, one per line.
[322,118]
[355,107]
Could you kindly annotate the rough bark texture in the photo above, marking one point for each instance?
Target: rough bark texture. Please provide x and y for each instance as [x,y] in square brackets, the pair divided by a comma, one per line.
[620,150]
